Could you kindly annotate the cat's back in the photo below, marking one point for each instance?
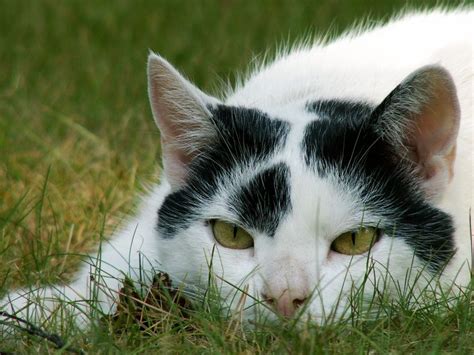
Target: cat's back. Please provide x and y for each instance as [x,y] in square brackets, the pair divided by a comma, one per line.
[365,63]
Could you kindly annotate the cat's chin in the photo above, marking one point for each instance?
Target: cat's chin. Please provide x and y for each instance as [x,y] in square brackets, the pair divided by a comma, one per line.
[300,319]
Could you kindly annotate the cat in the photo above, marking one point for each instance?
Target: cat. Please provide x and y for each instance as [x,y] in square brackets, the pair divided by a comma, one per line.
[333,159]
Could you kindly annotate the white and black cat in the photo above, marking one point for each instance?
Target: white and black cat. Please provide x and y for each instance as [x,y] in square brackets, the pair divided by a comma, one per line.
[330,156]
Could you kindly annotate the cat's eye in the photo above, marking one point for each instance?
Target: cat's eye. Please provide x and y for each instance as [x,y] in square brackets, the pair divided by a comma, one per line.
[356,242]
[231,236]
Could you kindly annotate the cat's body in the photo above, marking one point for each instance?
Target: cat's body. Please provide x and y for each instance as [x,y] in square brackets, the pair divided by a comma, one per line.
[313,145]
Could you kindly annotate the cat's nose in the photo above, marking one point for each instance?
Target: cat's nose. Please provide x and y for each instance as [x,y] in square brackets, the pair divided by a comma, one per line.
[287,303]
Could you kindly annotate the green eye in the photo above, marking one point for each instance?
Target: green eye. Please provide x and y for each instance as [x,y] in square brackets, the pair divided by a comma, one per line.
[355,242]
[231,236]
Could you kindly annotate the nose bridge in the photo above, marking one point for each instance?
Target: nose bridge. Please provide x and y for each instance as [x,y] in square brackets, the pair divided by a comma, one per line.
[290,266]
[286,274]
[286,285]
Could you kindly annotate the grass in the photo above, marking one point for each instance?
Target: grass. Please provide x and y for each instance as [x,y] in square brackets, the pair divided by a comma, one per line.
[77,143]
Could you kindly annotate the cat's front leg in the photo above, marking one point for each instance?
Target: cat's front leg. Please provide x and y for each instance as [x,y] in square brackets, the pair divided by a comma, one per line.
[93,292]
[96,287]
[38,305]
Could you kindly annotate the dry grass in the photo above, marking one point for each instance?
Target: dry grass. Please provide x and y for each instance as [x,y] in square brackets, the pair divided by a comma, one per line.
[77,144]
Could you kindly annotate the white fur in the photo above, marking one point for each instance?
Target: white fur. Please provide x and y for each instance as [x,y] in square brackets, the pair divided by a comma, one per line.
[362,64]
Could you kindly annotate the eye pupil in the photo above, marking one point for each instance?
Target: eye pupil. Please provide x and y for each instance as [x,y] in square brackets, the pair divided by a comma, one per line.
[235,231]
[353,238]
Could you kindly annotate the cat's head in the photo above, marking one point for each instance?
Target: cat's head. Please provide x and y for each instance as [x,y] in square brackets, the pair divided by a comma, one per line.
[298,204]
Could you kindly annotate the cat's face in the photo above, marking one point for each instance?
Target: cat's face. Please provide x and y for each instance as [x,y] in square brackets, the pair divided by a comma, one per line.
[297,206]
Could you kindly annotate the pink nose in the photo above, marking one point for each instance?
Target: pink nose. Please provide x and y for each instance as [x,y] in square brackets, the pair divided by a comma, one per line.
[286,304]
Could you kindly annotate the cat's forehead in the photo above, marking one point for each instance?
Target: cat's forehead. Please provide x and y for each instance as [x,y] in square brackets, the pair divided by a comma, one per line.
[253,162]
[295,177]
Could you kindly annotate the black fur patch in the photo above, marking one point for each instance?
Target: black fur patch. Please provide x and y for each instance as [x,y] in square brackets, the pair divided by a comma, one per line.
[348,112]
[245,137]
[265,200]
[348,147]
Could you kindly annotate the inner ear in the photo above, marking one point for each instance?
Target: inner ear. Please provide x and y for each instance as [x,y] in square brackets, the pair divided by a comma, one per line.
[420,118]
[182,113]
[434,132]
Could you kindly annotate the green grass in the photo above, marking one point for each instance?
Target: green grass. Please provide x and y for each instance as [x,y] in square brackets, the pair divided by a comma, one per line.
[77,143]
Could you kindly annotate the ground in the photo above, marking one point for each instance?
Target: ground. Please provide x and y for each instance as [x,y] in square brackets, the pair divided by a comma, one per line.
[78,144]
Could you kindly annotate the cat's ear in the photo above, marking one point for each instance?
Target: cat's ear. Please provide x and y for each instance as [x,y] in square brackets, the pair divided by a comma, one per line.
[182,114]
[420,118]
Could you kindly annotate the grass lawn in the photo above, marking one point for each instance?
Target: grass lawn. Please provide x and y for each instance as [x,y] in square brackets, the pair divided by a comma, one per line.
[78,143]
